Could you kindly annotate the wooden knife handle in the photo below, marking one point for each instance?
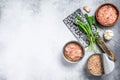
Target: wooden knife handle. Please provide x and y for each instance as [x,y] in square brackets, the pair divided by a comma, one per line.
[107,50]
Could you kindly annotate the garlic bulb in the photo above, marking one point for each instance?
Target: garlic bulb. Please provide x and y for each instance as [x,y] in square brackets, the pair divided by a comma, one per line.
[108,34]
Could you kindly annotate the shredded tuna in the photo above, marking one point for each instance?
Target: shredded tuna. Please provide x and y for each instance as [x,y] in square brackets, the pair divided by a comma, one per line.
[107,15]
[73,51]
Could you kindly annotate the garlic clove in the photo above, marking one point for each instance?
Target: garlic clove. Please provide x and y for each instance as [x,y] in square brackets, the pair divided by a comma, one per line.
[86,8]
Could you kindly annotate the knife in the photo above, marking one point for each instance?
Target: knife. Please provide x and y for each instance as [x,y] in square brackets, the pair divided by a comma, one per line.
[106,49]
